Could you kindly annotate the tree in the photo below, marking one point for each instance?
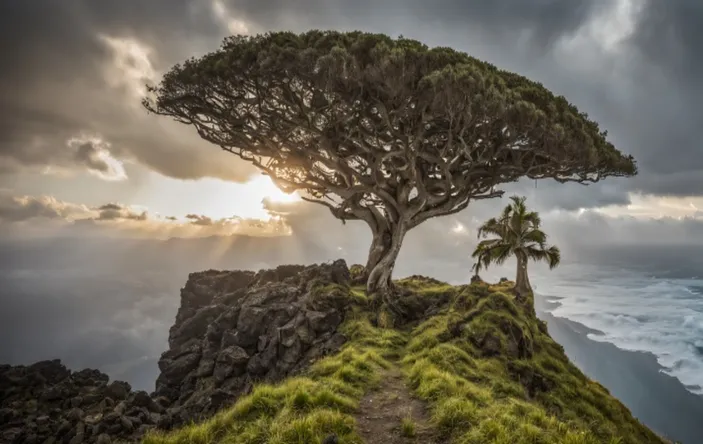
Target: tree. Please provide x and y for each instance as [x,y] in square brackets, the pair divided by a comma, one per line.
[517,233]
[382,130]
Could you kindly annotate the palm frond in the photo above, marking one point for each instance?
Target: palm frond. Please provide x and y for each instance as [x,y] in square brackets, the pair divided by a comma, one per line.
[500,253]
[491,226]
[535,235]
[551,255]
[554,256]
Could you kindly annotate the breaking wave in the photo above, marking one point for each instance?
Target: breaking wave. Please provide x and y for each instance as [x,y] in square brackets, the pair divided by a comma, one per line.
[634,311]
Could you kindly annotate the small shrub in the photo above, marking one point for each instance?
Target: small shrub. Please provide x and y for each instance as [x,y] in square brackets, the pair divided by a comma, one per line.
[407,427]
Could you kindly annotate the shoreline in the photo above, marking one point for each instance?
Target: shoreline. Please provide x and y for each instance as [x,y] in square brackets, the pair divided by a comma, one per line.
[636,378]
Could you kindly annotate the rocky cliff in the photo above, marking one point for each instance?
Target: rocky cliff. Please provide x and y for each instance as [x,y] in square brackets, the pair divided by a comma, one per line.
[233,328]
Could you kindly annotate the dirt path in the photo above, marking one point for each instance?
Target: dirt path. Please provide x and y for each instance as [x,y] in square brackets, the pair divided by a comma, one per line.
[391,415]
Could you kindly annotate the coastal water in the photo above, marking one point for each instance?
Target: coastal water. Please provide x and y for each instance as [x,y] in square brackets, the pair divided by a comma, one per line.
[634,309]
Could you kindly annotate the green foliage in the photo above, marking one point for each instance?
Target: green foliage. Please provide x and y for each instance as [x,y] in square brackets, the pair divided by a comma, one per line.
[402,78]
[517,232]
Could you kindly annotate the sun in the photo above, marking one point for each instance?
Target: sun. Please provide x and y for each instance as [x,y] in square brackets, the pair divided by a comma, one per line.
[265,186]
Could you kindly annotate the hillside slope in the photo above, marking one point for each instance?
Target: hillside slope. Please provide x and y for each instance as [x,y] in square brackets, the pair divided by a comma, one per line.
[481,368]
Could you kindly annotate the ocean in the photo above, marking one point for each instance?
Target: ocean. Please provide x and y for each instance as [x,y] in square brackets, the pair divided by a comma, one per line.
[634,309]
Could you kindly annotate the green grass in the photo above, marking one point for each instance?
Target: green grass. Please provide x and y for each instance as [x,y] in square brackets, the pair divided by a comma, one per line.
[302,409]
[407,427]
[485,366]
[527,392]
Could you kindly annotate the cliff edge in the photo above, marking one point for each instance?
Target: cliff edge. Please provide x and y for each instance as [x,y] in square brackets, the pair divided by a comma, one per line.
[295,355]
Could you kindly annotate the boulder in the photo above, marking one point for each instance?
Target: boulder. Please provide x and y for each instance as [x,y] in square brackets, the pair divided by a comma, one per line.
[118,390]
[230,361]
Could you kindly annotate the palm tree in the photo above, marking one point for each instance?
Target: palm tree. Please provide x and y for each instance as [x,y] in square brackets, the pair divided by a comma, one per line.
[517,233]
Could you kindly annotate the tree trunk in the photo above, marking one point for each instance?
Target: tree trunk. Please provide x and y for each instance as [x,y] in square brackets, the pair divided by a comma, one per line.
[522,281]
[382,256]
[380,244]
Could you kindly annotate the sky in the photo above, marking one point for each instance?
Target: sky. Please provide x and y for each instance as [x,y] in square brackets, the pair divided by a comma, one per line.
[80,156]
[89,180]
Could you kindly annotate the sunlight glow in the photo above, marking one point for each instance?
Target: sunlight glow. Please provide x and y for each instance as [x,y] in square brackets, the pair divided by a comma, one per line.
[265,186]
[459,228]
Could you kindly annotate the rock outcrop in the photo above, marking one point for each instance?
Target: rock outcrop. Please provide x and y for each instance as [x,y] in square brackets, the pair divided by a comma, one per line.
[233,328]
[238,327]
[47,403]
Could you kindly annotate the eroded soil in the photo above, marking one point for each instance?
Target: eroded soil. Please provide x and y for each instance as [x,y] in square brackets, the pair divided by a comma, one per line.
[383,410]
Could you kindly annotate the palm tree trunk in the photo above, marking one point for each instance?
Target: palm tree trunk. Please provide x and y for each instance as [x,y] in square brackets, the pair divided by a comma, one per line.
[522,280]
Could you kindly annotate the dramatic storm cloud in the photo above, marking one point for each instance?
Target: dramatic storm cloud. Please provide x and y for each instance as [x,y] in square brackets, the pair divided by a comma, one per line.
[77,66]
[80,66]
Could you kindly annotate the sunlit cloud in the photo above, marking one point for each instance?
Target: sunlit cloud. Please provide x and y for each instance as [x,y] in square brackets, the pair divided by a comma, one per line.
[94,153]
[608,30]
[131,65]
[655,207]
[225,16]
[46,215]
[24,208]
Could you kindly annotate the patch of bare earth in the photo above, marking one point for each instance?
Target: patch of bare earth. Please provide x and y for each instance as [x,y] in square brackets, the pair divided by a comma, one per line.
[391,415]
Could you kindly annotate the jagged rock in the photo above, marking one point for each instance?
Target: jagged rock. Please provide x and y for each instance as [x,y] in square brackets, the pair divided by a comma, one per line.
[233,328]
[118,390]
[321,322]
[47,403]
[230,361]
[126,423]
[260,327]
[103,438]
[75,414]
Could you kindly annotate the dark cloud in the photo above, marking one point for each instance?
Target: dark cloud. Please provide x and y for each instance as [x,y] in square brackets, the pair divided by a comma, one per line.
[79,63]
[197,219]
[110,207]
[668,37]
[542,22]
[650,113]
[89,318]
[95,156]
[114,211]
[76,66]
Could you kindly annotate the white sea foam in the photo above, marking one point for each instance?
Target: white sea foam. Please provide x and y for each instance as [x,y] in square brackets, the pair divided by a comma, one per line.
[636,312]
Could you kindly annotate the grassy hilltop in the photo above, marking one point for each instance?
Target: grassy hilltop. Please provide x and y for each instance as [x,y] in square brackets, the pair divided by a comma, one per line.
[479,368]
